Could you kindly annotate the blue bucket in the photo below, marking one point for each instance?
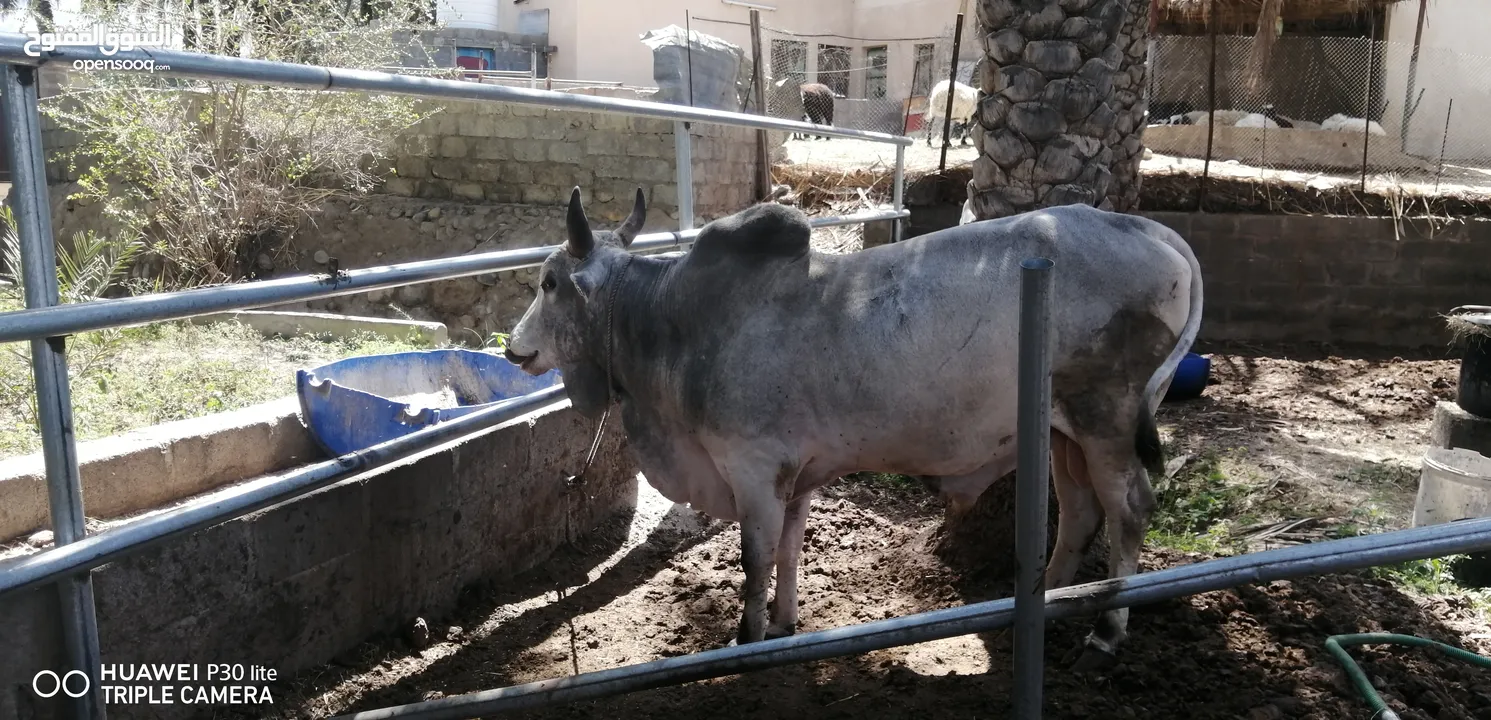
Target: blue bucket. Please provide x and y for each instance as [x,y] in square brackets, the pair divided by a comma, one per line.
[349,404]
[1190,378]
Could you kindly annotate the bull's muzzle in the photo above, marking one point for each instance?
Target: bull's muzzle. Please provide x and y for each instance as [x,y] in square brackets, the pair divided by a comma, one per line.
[516,359]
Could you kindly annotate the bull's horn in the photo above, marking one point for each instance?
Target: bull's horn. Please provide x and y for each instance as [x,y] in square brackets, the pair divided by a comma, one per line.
[580,242]
[633,224]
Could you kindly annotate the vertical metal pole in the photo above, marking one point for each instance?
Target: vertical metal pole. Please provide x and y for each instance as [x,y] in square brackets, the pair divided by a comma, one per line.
[898,195]
[688,36]
[1211,102]
[1443,141]
[1367,109]
[683,153]
[18,102]
[1409,106]
[758,92]
[1031,484]
[533,66]
[952,79]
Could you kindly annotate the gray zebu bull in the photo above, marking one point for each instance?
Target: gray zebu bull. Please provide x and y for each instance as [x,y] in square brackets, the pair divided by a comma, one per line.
[751,370]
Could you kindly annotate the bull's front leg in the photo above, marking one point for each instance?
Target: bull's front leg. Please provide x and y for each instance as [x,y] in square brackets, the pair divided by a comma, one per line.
[761,518]
[789,551]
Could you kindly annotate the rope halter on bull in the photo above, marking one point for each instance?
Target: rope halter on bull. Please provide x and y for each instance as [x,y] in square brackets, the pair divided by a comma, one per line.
[600,430]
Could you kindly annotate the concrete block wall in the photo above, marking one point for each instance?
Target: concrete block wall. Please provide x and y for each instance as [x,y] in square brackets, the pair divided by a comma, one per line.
[1348,280]
[295,585]
[489,152]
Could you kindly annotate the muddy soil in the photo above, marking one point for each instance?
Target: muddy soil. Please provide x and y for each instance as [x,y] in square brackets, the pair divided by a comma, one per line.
[663,582]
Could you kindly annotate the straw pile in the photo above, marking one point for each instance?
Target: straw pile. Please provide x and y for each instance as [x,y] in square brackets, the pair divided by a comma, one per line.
[818,185]
[1463,329]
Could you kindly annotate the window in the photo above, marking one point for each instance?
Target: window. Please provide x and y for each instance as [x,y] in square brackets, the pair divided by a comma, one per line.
[875,59]
[789,58]
[921,77]
[833,68]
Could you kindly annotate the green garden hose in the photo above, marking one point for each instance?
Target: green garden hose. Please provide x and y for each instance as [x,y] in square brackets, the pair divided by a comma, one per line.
[1337,644]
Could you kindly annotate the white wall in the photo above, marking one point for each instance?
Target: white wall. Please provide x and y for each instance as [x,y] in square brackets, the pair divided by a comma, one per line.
[604,41]
[1454,63]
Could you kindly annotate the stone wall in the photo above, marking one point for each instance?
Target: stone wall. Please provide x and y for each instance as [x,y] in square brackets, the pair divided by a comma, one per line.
[293,586]
[383,229]
[1345,280]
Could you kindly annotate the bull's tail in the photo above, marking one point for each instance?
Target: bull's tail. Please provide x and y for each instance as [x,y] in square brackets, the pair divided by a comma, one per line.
[1147,440]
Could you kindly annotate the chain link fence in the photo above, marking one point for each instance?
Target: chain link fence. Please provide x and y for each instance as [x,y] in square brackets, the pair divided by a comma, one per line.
[1299,116]
[877,84]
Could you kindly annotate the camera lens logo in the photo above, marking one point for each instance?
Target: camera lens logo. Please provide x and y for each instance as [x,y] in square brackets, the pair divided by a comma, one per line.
[64,684]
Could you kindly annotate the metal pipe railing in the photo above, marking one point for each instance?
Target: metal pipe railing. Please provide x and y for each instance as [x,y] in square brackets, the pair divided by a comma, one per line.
[18,98]
[1032,480]
[1077,600]
[898,194]
[138,535]
[683,157]
[312,77]
[101,314]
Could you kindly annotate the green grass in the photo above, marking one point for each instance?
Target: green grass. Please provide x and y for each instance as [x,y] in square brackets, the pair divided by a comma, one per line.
[1440,577]
[1198,508]
[1195,510]
[122,380]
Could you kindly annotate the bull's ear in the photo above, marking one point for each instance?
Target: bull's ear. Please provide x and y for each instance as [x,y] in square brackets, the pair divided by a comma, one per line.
[589,278]
[633,225]
[580,242]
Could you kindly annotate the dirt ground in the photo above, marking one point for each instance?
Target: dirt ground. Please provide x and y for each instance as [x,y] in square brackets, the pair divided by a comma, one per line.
[1315,435]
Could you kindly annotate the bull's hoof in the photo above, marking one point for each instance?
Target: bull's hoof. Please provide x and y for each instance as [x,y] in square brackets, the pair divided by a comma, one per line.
[773,633]
[1093,660]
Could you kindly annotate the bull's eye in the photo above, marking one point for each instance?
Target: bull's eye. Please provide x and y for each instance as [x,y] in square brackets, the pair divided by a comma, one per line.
[548,282]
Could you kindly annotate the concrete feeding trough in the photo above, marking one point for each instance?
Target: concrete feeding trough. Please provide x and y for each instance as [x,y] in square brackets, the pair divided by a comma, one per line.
[358,402]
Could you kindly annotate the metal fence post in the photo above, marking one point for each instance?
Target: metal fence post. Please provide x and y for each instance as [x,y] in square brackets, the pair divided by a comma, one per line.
[683,152]
[898,195]
[1032,480]
[18,102]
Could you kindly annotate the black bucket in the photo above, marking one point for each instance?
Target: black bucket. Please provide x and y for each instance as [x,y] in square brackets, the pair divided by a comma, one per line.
[1474,392]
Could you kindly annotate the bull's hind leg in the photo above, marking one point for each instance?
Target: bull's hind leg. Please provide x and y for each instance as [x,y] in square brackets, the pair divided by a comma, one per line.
[1081,515]
[1121,484]
[789,551]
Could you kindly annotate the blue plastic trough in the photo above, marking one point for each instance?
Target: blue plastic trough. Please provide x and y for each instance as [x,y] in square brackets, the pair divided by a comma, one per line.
[1190,378]
[352,404]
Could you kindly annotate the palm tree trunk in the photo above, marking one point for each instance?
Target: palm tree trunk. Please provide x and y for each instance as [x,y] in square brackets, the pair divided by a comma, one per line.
[1062,109]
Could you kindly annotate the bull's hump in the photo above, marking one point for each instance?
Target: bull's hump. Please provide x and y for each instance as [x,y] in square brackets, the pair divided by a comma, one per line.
[761,233]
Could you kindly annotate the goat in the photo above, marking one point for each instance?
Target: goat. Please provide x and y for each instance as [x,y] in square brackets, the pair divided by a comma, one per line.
[965,102]
[1346,123]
